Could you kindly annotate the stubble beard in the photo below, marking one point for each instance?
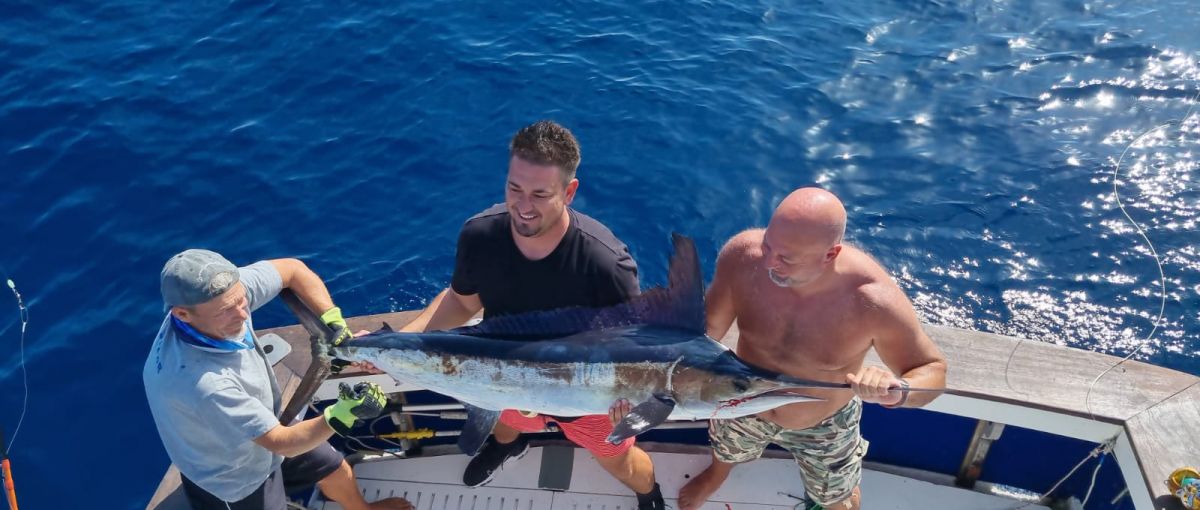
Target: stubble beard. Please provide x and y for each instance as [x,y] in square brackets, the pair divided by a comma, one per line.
[530,230]
[240,334]
[527,230]
[786,283]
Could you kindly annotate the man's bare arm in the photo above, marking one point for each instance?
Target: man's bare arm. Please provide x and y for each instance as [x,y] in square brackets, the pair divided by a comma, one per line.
[448,310]
[719,312]
[905,348]
[305,283]
[421,321]
[296,439]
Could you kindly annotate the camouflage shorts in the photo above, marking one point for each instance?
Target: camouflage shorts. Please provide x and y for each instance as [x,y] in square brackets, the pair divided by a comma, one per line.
[830,454]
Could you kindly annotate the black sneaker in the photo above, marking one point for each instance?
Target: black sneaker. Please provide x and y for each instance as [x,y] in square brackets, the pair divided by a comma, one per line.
[487,462]
[651,501]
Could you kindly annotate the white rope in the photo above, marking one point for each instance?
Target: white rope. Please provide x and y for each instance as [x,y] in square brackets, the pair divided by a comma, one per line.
[1092,485]
[1101,449]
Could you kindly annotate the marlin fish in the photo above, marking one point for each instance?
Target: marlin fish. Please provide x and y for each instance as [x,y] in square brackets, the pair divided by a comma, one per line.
[652,351]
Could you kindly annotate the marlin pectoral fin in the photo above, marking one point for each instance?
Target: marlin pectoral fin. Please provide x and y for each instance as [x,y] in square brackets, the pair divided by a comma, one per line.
[477,428]
[643,417]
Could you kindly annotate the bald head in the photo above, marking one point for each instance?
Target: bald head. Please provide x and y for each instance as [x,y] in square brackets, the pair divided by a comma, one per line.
[804,237]
[812,214]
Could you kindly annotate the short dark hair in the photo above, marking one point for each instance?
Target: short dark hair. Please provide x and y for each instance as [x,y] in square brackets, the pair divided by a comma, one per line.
[545,142]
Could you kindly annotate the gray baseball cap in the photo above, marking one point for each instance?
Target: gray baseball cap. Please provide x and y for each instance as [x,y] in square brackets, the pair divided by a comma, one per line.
[196,276]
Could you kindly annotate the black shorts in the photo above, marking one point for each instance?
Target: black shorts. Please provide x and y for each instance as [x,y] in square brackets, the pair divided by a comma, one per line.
[296,474]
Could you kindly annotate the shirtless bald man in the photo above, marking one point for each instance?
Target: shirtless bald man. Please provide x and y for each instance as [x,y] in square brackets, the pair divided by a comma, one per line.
[809,306]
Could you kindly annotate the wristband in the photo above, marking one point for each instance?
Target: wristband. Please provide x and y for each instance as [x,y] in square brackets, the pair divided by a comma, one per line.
[903,396]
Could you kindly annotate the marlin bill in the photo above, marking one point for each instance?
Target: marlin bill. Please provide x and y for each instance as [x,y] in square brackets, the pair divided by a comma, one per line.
[651,351]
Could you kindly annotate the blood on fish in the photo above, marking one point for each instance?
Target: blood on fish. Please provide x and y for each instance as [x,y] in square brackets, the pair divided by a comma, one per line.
[729,403]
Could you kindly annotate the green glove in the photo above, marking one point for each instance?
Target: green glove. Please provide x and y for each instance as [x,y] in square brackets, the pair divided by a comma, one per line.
[363,402]
[333,318]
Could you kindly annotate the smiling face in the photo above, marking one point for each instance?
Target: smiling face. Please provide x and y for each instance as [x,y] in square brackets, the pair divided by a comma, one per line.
[536,196]
[221,317]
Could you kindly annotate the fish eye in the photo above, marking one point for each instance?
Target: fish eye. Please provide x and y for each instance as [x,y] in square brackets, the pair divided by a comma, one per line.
[741,383]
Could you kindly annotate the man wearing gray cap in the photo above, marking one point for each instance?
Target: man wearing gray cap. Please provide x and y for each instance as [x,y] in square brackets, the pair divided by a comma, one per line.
[215,399]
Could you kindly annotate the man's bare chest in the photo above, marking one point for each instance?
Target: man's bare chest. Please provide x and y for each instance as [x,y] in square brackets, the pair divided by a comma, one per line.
[820,336]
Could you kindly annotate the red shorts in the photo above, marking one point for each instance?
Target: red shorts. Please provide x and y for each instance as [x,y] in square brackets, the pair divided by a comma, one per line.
[590,432]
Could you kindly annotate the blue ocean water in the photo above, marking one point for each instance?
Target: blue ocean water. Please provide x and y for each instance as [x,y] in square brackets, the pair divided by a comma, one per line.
[973,142]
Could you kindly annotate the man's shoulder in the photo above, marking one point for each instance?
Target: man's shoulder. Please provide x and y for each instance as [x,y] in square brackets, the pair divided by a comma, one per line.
[871,282]
[173,369]
[598,236]
[487,222]
[743,246]
[494,213]
[163,364]
[262,271]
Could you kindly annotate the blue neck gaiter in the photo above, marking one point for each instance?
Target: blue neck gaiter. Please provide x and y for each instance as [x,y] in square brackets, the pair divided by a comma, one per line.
[193,336]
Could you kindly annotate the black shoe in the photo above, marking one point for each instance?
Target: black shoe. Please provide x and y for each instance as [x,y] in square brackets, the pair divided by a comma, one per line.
[651,501]
[487,462]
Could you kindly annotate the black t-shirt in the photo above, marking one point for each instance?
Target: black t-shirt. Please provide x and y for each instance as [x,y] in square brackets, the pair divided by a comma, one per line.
[589,267]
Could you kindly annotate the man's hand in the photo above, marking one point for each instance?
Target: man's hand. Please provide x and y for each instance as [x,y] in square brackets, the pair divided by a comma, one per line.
[619,409]
[874,384]
[333,318]
[363,402]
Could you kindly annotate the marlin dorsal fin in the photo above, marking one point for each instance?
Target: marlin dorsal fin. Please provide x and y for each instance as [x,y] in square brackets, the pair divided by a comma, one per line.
[679,305]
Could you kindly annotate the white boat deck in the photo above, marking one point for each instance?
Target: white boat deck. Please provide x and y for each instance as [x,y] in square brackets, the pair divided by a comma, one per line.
[434,483]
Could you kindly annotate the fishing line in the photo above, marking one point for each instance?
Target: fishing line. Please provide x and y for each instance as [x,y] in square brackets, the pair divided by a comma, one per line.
[1162,277]
[24,315]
